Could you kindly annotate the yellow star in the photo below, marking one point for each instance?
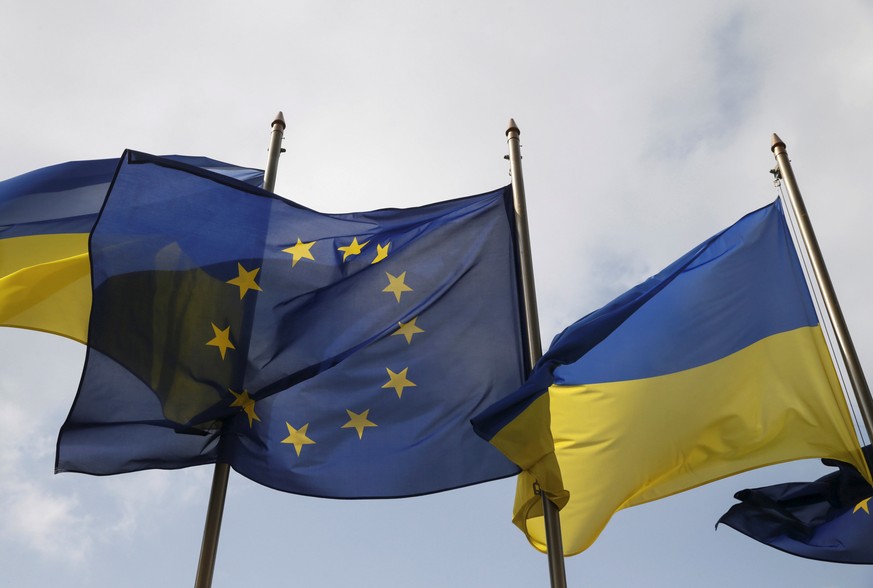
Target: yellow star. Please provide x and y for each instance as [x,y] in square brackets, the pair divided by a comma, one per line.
[297,437]
[221,340]
[396,285]
[408,330]
[354,249]
[359,422]
[246,280]
[245,402]
[381,253]
[863,505]
[398,381]
[300,251]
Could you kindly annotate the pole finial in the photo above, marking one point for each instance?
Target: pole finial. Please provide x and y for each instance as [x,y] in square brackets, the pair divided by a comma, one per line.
[512,127]
[776,142]
[280,119]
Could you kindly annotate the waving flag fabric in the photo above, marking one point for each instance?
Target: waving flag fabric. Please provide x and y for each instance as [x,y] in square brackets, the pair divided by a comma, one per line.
[714,366]
[828,519]
[328,355]
[45,218]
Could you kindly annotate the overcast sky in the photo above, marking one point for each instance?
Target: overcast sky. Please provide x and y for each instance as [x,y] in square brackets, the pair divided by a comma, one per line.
[645,128]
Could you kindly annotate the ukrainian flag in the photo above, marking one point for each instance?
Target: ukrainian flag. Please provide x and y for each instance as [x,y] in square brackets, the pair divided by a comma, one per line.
[715,366]
[45,218]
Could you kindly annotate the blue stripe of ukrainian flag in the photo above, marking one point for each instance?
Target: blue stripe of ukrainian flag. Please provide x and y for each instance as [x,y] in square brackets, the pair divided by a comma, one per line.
[714,366]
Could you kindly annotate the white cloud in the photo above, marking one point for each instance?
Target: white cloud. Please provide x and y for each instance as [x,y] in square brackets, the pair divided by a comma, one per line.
[47,522]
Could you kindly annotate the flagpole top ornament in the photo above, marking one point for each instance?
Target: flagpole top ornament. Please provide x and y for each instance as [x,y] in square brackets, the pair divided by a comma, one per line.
[776,142]
[280,120]
[512,127]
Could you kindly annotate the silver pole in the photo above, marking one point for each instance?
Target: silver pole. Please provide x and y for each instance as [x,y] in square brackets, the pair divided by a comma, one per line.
[835,313]
[274,152]
[554,542]
[214,512]
[215,509]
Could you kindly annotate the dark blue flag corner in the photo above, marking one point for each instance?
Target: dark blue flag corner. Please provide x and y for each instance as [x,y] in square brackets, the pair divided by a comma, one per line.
[829,519]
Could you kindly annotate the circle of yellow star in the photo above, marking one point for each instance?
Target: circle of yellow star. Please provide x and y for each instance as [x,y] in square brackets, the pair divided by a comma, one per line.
[863,505]
[408,329]
[300,251]
[221,340]
[354,249]
[358,422]
[245,281]
[396,285]
[247,403]
[398,381]
[297,437]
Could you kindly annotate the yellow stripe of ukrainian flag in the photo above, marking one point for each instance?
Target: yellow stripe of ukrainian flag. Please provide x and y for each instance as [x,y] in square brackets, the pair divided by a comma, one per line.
[45,284]
[621,444]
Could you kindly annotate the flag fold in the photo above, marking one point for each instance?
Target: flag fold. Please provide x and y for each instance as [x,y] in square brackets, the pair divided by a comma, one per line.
[827,520]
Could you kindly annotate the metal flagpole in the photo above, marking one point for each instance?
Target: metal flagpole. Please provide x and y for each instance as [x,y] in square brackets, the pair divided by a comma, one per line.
[214,512]
[274,152]
[215,509]
[835,313]
[552,519]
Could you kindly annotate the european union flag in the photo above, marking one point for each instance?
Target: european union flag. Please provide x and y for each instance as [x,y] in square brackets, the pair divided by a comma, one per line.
[45,218]
[335,355]
[828,519]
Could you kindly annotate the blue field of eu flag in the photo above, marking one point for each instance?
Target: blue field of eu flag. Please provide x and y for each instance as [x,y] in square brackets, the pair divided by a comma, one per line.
[335,355]
[828,519]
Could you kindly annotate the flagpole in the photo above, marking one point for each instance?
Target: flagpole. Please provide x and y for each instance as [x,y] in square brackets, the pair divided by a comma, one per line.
[274,152]
[835,313]
[554,542]
[215,509]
